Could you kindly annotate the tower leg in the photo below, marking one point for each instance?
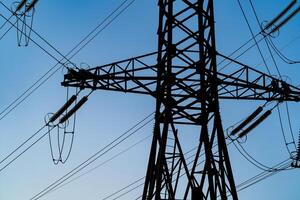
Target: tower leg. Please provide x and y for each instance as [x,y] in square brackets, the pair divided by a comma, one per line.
[187,52]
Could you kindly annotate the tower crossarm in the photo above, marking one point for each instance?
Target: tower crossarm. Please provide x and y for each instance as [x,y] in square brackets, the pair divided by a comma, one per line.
[138,75]
[185,79]
[134,75]
[244,82]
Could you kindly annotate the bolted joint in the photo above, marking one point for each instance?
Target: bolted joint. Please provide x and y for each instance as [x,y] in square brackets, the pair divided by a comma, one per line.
[172,50]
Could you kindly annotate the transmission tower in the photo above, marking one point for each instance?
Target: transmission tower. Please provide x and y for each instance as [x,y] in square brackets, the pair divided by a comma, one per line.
[185,81]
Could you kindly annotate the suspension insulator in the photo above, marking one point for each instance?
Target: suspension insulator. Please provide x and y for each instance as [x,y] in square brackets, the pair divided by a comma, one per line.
[31,5]
[255,124]
[63,108]
[247,120]
[285,20]
[271,23]
[20,5]
[298,150]
[74,109]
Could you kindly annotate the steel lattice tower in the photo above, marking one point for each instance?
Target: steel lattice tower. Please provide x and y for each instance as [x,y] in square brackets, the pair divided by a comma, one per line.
[185,53]
[187,86]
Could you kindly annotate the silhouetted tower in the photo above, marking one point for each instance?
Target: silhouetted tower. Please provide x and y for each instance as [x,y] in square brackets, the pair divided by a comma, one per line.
[187,52]
[187,86]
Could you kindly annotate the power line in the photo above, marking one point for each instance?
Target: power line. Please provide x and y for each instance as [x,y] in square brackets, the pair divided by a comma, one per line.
[140,179]
[127,134]
[114,18]
[285,46]
[280,76]
[255,179]
[46,51]
[262,176]
[42,38]
[93,31]
[269,43]
[283,132]
[245,184]
[59,185]
[38,131]
[242,46]
[290,123]
[253,36]
[38,83]
[5,22]
[61,146]
[5,33]
[38,87]
[188,164]
[103,163]
[269,169]
[163,171]
[2,26]
[265,38]
[281,55]
[124,188]
[251,159]
[121,195]
[22,152]
[21,145]
[276,168]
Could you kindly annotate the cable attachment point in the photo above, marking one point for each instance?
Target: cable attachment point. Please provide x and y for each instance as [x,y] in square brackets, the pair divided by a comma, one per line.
[264,26]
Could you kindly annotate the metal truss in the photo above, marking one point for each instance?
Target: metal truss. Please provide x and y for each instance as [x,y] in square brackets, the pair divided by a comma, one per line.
[184,79]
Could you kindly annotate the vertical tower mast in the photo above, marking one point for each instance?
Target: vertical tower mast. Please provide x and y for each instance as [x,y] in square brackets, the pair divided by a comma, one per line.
[183,78]
[186,47]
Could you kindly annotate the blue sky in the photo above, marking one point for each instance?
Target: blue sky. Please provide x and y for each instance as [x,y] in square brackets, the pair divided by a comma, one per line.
[108,114]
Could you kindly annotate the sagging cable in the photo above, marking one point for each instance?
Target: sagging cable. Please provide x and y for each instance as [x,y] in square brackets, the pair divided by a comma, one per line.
[53,122]
[24,13]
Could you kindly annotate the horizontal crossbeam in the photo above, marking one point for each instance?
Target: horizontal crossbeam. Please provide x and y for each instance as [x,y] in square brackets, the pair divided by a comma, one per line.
[139,75]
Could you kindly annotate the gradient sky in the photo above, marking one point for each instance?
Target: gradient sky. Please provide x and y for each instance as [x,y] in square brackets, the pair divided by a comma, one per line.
[108,114]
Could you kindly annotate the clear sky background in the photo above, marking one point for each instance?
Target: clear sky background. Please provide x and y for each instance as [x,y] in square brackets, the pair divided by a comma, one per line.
[108,114]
